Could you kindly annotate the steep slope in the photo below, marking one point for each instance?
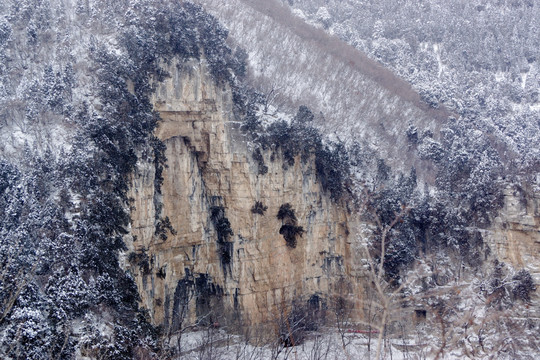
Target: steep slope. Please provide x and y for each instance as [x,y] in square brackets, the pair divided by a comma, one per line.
[470,164]
[295,64]
[144,192]
[227,261]
[514,236]
[76,118]
[466,55]
[479,58]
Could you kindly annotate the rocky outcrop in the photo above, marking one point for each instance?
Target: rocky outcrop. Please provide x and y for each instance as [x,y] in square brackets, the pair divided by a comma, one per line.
[228,258]
[226,255]
[514,236]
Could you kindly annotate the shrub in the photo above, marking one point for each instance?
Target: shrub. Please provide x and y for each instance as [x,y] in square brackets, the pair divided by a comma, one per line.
[523,286]
[259,208]
[290,233]
[289,229]
[141,259]
[163,225]
[161,273]
[286,213]
[257,156]
[221,223]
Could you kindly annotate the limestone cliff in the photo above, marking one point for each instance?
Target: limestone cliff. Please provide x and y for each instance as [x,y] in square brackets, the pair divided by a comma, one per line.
[514,236]
[212,184]
[226,259]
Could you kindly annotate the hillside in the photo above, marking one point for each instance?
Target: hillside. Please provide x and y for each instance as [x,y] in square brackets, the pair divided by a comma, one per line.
[76,121]
[267,179]
[353,97]
[478,59]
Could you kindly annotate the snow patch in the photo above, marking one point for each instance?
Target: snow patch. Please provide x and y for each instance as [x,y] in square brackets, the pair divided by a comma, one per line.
[436,49]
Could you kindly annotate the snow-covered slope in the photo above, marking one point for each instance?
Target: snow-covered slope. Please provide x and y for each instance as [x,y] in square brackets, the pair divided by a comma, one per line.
[480,59]
[419,241]
[354,97]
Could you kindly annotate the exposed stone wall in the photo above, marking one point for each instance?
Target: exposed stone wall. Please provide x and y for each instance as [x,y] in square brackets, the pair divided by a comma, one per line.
[514,236]
[253,274]
[212,183]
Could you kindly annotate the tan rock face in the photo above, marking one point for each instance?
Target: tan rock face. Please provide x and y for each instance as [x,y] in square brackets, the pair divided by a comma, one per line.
[211,178]
[515,234]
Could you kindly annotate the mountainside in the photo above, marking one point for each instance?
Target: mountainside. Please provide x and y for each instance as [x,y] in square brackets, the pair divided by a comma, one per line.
[478,59]
[175,184]
[296,64]
[76,119]
[232,258]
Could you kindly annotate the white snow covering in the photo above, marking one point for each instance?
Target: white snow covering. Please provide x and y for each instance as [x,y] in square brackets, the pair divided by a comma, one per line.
[325,344]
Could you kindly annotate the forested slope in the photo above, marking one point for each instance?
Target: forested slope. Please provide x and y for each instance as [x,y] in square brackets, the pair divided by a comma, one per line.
[75,119]
[477,58]
[424,157]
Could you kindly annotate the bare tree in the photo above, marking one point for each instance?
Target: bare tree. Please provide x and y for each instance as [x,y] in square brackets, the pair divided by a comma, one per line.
[321,347]
[341,306]
[386,295]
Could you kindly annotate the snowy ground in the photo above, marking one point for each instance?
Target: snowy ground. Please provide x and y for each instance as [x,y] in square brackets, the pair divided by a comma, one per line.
[217,344]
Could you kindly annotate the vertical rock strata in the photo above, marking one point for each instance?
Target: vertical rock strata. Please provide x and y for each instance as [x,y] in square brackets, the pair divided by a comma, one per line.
[224,258]
[515,234]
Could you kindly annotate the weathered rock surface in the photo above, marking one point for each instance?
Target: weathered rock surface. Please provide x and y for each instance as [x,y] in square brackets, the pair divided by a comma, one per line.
[514,236]
[204,273]
[211,170]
